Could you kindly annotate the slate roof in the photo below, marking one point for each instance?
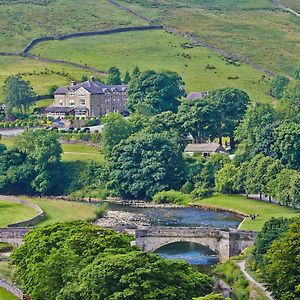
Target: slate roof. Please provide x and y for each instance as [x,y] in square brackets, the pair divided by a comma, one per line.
[205,147]
[92,86]
[196,95]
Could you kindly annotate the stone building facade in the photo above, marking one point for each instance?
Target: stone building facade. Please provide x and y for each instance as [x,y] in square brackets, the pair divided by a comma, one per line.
[88,99]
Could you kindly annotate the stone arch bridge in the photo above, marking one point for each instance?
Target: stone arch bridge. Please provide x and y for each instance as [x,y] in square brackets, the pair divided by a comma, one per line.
[224,242]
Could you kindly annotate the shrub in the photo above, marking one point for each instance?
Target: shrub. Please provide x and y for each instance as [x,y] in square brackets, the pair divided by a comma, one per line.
[5,247]
[170,197]
[201,191]
[101,211]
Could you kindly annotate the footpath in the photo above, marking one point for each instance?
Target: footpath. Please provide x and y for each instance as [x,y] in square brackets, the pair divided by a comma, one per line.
[256,284]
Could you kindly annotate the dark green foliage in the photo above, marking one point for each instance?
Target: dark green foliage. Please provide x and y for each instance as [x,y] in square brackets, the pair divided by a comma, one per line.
[281,271]
[146,164]
[116,129]
[114,76]
[52,89]
[29,167]
[138,276]
[287,144]
[151,93]
[256,132]
[271,231]
[279,84]
[127,78]
[84,78]
[18,94]
[212,297]
[214,116]
[5,247]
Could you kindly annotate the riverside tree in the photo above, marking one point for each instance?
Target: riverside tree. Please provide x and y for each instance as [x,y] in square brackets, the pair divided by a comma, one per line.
[17,94]
[78,260]
[146,164]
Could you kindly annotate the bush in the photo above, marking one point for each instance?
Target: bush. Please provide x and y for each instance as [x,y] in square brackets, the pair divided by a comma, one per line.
[92,122]
[201,191]
[5,247]
[101,211]
[172,196]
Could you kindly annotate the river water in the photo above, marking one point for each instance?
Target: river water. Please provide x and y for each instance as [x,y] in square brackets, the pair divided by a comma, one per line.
[199,256]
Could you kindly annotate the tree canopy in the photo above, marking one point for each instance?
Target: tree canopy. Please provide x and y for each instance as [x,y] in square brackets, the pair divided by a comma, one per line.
[17,94]
[114,76]
[151,93]
[78,260]
[146,164]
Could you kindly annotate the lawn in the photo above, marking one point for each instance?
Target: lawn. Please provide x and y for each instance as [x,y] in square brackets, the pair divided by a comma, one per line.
[255,29]
[200,68]
[22,21]
[81,152]
[71,152]
[5,295]
[11,212]
[64,211]
[241,204]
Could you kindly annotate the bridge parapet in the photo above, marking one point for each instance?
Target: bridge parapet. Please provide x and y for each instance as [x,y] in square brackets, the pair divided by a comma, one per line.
[224,242]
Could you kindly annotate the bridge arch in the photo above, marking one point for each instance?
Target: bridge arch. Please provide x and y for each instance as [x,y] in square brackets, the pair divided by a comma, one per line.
[224,242]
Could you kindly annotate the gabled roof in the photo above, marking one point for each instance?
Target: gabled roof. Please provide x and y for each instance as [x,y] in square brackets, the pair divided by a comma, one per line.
[92,86]
[205,147]
[196,95]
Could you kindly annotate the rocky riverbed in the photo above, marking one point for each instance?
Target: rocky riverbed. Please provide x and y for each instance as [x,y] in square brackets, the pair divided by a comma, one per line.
[116,219]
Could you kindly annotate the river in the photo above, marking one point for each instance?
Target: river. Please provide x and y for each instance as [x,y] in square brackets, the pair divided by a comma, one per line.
[199,256]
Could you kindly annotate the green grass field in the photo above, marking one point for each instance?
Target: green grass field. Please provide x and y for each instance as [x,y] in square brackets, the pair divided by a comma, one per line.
[255,29]
[249,206]
[11,212]
[71,152]
[81,152]
[41,75]
[200,68]
[5,295]
[63,211]
[25,20]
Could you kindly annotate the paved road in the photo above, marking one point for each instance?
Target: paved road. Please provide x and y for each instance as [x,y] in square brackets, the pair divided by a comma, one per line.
[11,132]
[252,280]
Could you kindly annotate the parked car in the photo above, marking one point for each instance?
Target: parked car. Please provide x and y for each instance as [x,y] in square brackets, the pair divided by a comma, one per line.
[86,129]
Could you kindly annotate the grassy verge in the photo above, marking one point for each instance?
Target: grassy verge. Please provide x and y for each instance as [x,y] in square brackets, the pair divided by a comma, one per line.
[201,69]
[249,206]
[5,295]
[11,212]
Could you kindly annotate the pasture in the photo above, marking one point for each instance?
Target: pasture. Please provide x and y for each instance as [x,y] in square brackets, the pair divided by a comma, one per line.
[256,29]
[22,21]
[41,75]
[201,69]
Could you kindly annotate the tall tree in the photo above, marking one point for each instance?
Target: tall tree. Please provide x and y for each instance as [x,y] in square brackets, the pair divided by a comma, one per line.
[151,93]
[287,144]
[256,132]
[116,128]
[232,105]
[127,77]
[137,276]
[282,272]
[279,85]
[114,76]
[136,71]
[200,119]
[146,164]
[84,78]
[17,94]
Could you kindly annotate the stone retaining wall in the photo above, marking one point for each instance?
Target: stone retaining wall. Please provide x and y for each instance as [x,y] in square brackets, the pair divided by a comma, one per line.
[11,288]
[30,222]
